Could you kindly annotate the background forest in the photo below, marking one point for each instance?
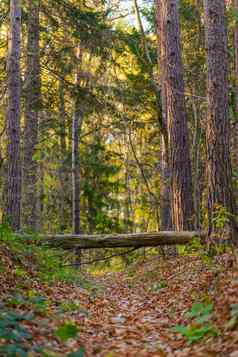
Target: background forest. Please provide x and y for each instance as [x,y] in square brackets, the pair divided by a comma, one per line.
[118,120]
[88,138]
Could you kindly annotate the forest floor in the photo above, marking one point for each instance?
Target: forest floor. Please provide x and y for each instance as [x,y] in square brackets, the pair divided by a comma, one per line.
[130,313]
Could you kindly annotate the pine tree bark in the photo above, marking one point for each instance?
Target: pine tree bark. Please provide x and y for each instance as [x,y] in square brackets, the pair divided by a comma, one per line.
[76,169]
[235,131]
[220,190]
[76,130]
[13,183]
[179,156]
[63,172]
[165,174]
[32,107]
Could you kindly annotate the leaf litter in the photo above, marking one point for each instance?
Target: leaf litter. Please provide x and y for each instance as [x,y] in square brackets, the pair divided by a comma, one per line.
[133,313]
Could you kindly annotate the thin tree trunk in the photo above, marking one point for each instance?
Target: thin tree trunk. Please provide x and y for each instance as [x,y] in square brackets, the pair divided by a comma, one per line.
[196,156]
[13,184]
[179,157]
[220,190]
[63,176]
[76,130]
[32,107]
[76,168]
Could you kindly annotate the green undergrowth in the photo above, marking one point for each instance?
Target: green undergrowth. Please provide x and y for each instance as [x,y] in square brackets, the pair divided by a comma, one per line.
[198,324]
[29,271]
[30,258]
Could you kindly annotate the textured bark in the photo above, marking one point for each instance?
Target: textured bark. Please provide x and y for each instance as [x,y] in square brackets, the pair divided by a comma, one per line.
[179,157]
[165,173]
[220,190]
[76,169]
[13,184]
[196,156]
[235,131]
[32,107]
[69,241]
[63,174]
[76,129]
[236,53]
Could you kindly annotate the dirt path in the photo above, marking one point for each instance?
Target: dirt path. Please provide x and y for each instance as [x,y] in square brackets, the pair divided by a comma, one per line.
[135,316]
[125,322]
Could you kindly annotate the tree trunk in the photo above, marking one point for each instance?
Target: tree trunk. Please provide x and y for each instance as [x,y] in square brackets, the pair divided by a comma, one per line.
[32,107]
[179,156]
[76,168]
[63,174]
[13,184]
[76,130]
[235,131]
[196,158]
[220,190]
[165,174]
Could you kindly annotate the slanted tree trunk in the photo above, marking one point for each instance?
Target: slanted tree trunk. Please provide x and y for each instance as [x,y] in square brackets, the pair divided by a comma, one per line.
[13,182]
[32,107]
[220,190]
[165,174]
[179,157]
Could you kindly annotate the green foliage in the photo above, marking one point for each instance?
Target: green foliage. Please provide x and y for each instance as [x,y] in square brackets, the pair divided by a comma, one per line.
[200,325]
[72,306]
[66,331]
[220,217]
[37,303]
[45,262]
[12,331]
[99,187]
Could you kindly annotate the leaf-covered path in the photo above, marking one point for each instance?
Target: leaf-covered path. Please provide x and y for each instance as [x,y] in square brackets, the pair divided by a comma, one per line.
[133,313]
[134,316]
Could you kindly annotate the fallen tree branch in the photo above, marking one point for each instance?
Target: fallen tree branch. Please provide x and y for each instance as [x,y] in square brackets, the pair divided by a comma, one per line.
[72,241]
[102,259]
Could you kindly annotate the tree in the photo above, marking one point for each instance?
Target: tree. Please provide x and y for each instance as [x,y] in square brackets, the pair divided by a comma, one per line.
[32,107]
[76,130]
[235,130]
[219,171]
[180,166]
[165,174]
[13,181]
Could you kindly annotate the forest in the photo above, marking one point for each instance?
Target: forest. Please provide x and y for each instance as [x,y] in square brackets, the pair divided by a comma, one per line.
[118,178]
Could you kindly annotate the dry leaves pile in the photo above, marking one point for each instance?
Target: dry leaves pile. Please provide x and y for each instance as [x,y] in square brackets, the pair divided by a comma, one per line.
[133,313]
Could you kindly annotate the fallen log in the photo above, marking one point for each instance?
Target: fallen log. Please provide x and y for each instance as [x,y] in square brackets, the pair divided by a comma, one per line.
[72,241]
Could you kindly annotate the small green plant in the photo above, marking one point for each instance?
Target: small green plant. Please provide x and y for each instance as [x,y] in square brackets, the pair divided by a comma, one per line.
[199,325]
[220,217]
[71,307]
[66,331]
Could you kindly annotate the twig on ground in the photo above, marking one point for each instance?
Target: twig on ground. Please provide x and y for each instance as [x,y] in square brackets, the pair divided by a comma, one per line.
[102,259]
